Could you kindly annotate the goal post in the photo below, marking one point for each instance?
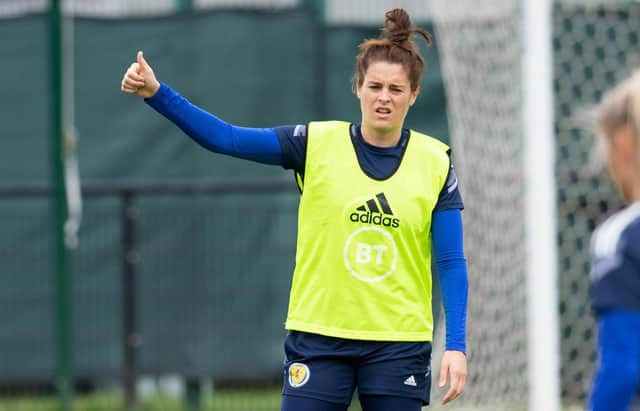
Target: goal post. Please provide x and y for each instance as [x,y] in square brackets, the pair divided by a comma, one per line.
[540,207]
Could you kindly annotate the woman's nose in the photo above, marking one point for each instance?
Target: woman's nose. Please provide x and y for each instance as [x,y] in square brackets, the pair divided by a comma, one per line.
[384,95]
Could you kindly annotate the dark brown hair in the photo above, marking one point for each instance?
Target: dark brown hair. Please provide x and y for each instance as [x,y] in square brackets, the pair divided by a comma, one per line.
[393,46]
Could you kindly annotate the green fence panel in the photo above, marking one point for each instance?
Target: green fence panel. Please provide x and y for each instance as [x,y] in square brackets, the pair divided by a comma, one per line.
[213,271]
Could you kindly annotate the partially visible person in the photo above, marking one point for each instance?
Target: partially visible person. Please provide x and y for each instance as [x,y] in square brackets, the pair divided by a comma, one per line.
[615,254]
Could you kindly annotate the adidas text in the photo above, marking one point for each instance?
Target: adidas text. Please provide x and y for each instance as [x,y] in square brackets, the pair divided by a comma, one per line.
[374,218]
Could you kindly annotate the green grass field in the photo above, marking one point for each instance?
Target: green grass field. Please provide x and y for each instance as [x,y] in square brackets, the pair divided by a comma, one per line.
[224,400]
[221,400]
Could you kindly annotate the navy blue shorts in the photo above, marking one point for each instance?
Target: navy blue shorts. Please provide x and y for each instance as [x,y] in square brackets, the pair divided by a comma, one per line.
[329,369]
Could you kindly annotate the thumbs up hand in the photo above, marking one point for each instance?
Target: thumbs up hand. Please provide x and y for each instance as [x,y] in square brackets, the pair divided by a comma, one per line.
[139,79]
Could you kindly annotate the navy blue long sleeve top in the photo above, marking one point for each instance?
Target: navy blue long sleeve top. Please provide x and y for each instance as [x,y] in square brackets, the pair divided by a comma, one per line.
[615,298]
[286,146]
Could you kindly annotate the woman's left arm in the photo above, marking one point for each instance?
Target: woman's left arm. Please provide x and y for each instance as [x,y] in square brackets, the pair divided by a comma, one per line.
[446,234]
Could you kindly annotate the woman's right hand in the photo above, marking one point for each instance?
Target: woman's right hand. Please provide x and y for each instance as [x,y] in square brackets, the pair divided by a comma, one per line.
[139,79]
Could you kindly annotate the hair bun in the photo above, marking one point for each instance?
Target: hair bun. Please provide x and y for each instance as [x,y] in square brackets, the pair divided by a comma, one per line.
[397,26]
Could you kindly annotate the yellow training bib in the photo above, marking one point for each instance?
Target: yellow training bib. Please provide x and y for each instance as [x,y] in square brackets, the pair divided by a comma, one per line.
[363,261]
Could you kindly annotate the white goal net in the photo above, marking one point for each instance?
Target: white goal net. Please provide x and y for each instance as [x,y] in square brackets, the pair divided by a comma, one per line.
[595,43]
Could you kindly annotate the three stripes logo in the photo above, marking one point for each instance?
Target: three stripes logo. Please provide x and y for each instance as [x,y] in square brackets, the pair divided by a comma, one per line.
[375,211]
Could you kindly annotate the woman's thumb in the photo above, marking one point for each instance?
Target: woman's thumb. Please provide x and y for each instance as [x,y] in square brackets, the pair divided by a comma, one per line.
[142,63]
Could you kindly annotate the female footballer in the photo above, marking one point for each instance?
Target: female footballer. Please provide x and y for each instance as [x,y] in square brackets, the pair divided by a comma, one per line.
[615,254]
[376,199]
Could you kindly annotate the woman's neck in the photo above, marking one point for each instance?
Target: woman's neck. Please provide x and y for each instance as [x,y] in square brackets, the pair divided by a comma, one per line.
[631,185]
[634,193]
[380,138]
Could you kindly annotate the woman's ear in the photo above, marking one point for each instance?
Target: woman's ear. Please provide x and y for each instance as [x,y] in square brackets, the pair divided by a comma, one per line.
[624,144]
[414,95]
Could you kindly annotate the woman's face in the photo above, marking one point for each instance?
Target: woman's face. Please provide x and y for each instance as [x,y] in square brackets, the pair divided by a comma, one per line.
[385,97]
[620,155]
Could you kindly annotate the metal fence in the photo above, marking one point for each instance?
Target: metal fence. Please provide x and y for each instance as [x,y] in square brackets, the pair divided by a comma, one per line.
[166,280]
[182,278]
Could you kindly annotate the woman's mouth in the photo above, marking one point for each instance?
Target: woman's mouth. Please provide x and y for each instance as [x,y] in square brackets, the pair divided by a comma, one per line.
[383,111]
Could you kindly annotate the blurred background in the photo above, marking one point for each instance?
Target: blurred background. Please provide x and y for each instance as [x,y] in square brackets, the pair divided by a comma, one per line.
[173,293]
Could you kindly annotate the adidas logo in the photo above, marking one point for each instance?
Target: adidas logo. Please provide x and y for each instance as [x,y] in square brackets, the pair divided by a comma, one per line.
[411,381]
[375,211]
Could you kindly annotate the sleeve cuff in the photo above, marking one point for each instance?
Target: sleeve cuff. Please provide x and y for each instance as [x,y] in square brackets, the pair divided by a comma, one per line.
[456,347]
[162,96]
